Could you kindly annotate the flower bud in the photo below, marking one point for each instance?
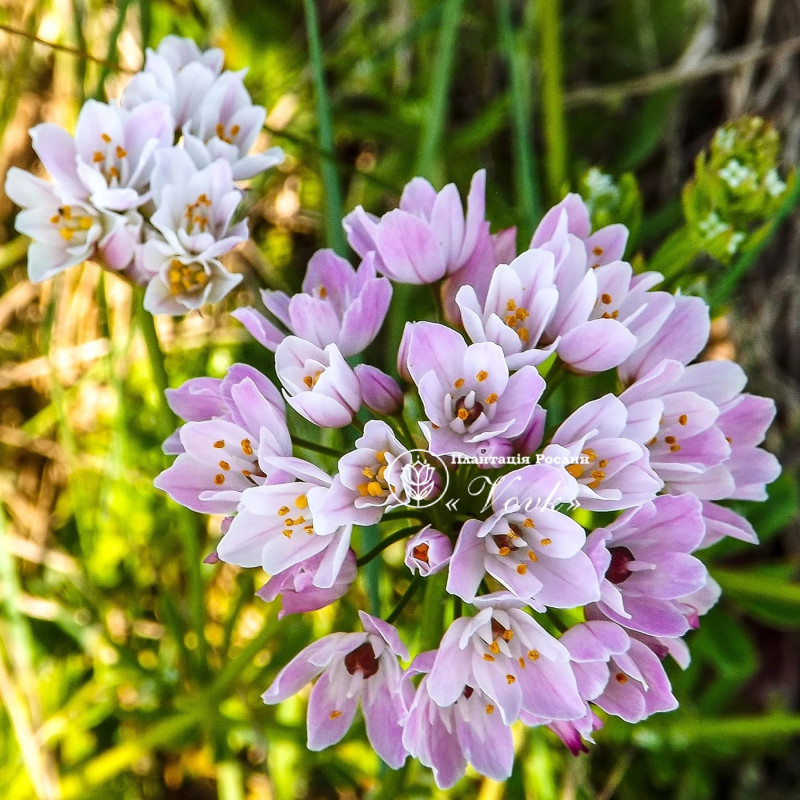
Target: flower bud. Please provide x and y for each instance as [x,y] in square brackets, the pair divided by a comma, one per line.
[428,552]
[380,391]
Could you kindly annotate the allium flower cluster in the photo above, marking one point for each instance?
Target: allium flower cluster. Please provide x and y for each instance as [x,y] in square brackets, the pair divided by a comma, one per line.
[146,186]
[531,614]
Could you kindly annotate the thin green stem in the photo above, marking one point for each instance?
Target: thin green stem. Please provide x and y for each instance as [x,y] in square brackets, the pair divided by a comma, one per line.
[436,105]
[330,179]
[316,447]
[413,587]
[384,543]
[155,354]
[555,129]
[527,190]
[432,626]
[111,56]
[405,429]
[554,379]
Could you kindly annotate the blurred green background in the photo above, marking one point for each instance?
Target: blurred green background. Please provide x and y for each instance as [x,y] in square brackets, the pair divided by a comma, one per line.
[128,669]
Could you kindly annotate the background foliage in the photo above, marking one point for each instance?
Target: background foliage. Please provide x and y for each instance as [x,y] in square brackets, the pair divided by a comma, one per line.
[128,669]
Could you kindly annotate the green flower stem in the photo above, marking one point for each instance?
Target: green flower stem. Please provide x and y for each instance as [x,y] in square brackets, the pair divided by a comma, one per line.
[316,447]
[230,781]
[689,732]
[330,179]
[436,105]
[527,190]
[405,430]
[188,527]
[554,379]
[432,626]
[384,543]
[555,128]
[413,587]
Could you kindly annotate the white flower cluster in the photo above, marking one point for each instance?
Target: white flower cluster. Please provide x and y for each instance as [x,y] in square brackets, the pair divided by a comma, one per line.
[146,185]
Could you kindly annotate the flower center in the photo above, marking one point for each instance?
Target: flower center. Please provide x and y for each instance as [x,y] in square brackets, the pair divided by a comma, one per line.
[468,409]
[515,318]
[70,224]
[362,659]
[227,135]
[184,278]
[618,571]
[196,214]
[111,158]
[289,523]
[376,484]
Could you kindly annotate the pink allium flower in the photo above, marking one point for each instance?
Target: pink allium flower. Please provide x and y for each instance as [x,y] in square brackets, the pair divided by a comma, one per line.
[353,667]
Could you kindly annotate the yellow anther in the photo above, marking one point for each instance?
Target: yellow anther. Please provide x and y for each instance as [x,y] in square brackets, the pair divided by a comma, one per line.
[490,709]
[491,399]
[105,137]
[532,556]
[224,465]
[508,634]
[66,233]
[301,501]
[545,542]
[522,569]
[283,510]
[605,298]
[121,152]
[482,375]
[603,463]
[522,313]
[598,251]
[380,456]
[463,413]
[510,679]
[458,383]
[510,304]
[533,655]
[97,157]
[368,473]
[589,453]
[375,489]
[309,529]
[528,523]
[670,439]
[504,551]
[219,479]
[512,321]
[362,489]
[683,419]
[308,381]
[488,657]
[576,470]
[494,647]
[521,662]
[523,334]
[247,447]
[674,448]
[621,677]
[335,714]
[287,532]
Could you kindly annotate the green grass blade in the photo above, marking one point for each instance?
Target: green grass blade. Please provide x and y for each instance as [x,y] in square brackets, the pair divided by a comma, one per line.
[330,179]
[527,190]
[436,106]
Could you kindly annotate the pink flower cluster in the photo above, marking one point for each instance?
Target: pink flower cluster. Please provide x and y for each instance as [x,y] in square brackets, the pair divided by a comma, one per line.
[146,184]
[494,528]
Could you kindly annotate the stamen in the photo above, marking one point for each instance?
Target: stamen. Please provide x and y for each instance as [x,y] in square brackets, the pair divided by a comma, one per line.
[598,251]
[670,439]
[510,305]
[97,157]
[522,569]
[489,709]
[621,677]
[219,479]
[606,299]
[224,465]
[482,375]
[121,152]
[683,419]
[532,556]
[491,399]
[576,470]
[335,714]
[420,553]
[247,447]
[546,542]
[488,657]
[284,510]
[458,383]
[533,655]
[301,501]
[510,679]
[528,523]
[105,137]
[674,448]
[219,444]
[287,532]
